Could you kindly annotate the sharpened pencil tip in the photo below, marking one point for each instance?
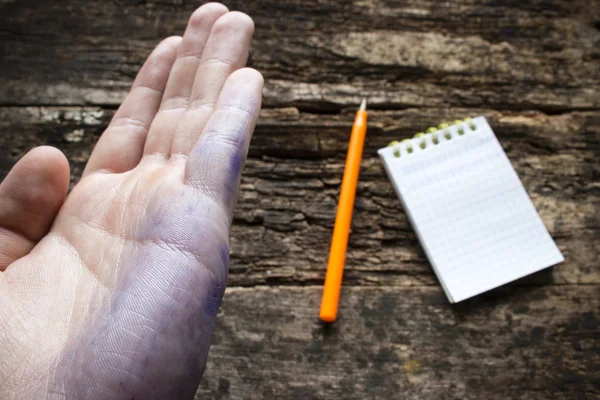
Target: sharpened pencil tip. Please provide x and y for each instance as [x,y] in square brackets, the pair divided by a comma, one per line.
[363,105]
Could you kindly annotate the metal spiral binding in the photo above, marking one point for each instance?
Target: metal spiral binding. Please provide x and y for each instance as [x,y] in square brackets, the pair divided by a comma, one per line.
[434,131]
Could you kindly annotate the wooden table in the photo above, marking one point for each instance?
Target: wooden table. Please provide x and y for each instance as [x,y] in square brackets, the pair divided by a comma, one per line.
[531,67]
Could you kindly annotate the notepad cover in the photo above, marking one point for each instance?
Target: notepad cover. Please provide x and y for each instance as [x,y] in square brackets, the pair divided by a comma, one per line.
[469,209]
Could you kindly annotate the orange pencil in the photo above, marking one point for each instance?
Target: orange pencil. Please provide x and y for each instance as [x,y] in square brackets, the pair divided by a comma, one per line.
[343,219]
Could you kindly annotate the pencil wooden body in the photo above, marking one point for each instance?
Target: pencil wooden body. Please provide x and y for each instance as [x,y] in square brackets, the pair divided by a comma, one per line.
[343,220]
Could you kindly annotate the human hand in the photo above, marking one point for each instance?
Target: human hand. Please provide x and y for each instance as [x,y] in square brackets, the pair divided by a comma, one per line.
[112,292]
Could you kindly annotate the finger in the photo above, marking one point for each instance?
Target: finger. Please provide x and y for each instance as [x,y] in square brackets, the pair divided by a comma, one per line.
[214,166]
[179,87]
[225,52]
[30,198]
[121,145]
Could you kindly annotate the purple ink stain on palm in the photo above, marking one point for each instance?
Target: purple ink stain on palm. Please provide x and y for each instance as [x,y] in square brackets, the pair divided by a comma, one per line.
[213,301]
[228,157]
[161,313]
[236,163]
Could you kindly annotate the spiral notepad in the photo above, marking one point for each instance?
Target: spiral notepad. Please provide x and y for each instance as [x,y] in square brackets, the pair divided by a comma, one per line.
[472,215]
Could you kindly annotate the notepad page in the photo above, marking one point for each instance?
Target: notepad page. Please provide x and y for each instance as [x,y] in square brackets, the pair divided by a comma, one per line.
[472,215]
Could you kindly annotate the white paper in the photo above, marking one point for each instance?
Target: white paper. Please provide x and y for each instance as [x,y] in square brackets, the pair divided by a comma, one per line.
[470,211]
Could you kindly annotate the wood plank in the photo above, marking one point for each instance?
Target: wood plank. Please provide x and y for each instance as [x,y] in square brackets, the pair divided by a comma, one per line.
[285,215]
[322,55]
[406,343]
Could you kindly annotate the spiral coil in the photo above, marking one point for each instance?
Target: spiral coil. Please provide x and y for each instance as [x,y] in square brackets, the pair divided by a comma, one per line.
[442,129]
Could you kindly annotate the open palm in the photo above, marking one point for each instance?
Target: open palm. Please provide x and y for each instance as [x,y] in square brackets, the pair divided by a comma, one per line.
[112,293]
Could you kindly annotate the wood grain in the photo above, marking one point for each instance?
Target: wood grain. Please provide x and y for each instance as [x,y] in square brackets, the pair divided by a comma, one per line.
[322,55]
[406,343]
[532,68]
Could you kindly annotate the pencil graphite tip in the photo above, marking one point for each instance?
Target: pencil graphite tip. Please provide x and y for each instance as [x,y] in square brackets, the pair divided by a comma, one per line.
[363,105]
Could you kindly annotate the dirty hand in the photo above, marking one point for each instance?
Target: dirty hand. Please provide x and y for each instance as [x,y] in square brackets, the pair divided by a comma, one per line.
[112,292]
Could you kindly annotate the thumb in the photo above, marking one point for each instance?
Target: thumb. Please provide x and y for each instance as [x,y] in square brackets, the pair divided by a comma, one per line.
[30,197]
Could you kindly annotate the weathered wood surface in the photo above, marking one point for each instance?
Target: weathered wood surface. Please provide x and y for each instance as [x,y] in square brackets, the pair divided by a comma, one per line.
[533,68]
[322,54]
[394,343]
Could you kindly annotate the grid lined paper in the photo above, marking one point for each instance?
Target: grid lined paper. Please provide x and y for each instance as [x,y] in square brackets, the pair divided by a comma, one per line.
[469,209]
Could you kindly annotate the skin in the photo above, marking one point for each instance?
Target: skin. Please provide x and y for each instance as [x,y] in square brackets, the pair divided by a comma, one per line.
[111,292]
